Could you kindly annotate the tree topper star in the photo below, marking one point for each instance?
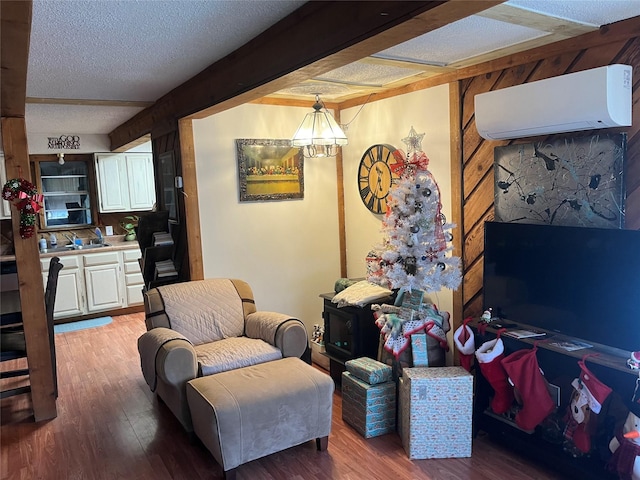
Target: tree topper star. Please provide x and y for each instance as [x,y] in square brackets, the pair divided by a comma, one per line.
[413,141]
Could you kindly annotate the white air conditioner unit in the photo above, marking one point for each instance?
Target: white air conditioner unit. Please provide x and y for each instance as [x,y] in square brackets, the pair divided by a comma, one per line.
[587,100]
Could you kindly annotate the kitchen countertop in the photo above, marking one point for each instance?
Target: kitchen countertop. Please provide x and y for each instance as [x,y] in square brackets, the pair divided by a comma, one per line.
[116,242]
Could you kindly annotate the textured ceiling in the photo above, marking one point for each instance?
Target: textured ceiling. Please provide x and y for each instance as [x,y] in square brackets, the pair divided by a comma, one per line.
[123,51]
[136,50]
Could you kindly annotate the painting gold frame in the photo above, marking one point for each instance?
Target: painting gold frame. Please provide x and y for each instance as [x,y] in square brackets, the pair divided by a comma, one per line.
[269,170]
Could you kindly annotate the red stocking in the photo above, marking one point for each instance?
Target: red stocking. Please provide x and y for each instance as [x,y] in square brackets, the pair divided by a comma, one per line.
[524,372]
[489,356]
[465,342]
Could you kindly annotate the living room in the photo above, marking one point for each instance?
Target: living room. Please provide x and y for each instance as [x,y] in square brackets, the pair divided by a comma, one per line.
[297,243]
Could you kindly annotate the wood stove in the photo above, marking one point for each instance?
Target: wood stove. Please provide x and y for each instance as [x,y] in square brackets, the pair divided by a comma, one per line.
[349,332]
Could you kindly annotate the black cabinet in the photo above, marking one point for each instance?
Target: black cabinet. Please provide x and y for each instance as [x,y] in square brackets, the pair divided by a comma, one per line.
[349,332]
[546,443]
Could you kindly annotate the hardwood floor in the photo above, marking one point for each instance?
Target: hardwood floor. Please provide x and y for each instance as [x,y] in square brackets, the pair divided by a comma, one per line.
[110,426]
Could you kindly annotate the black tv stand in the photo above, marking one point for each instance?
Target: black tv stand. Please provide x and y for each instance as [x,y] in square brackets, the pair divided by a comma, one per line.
[560,368]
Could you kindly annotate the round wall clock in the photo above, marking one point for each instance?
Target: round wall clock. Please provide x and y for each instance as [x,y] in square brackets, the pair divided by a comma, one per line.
[375,176]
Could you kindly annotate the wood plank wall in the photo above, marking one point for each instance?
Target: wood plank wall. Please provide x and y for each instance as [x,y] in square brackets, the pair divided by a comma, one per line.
[477,153]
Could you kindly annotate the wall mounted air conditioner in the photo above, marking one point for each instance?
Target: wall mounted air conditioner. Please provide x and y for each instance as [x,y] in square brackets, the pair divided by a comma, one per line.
[587,100]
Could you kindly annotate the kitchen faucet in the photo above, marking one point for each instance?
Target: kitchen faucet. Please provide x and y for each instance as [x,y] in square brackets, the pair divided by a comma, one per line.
[72,240]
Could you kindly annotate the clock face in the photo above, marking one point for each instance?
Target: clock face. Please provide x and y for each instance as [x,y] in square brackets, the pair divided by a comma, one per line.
[375,177]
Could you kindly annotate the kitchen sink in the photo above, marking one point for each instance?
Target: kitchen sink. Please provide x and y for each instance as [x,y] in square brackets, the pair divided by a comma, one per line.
[68,248]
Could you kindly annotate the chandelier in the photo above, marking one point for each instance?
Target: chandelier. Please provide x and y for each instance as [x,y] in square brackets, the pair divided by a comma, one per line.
[319,134]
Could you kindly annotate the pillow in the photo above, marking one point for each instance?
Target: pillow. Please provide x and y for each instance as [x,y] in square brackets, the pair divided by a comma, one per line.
[360,293]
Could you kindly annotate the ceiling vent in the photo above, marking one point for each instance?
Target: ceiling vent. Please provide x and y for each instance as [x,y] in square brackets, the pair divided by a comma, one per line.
[587,100]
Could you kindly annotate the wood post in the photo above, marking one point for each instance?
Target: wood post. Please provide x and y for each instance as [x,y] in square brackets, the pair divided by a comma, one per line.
[14,139]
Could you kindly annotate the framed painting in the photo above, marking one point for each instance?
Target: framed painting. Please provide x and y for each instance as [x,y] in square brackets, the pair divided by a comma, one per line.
[269,170]
[572,181]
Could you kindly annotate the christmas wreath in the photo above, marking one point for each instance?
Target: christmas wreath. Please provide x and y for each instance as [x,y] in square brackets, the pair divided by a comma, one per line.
[28,203]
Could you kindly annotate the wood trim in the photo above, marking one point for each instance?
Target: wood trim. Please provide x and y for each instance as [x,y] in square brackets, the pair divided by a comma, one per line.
[284,55]
[415,65]
[530,19]
[87,102]
[190,191]
[14,140]
[15,33]
[455,118]
[342,231]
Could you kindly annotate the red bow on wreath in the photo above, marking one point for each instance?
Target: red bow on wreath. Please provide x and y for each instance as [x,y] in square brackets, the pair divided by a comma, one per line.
[28,206]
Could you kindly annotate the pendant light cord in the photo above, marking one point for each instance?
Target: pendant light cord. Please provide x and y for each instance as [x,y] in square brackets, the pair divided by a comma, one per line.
[346,125]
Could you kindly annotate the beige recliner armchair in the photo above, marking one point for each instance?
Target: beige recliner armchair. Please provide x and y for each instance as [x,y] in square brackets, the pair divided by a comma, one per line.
[205,327]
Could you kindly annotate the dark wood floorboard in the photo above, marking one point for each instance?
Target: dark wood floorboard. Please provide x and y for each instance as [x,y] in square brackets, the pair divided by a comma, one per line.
[110,426]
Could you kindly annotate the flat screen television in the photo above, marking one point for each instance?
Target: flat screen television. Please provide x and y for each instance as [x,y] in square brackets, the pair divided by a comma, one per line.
[577,281]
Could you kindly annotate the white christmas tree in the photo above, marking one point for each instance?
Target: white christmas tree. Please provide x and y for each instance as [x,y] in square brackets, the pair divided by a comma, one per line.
[416,249]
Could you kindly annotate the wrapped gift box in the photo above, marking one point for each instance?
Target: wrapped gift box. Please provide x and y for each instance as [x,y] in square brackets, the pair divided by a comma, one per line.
[369,370]
[436,412]
[370,409]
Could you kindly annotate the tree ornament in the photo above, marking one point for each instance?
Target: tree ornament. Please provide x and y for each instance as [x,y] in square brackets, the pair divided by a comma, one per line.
[410,265]
[413,141]
[28,204]
[449,236]
[441,266]
[426,192]
[414,229]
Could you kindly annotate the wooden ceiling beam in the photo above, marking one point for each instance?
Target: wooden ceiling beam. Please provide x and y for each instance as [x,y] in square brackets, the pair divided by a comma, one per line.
[15,35]
[316,38]
[88,102]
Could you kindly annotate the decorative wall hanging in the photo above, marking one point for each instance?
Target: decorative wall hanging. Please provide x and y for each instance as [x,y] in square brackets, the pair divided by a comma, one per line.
[571,181]
[269,170]
[28,204]
[67,142]
[376,175]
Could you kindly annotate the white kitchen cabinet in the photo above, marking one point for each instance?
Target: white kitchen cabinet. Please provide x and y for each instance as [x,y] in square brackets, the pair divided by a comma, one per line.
[70,292]
[95,282]
[102,273]
[125,182]
[134,283]
[5,211]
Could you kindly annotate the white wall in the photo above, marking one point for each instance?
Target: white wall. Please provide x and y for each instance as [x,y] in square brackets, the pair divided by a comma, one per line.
[287,250]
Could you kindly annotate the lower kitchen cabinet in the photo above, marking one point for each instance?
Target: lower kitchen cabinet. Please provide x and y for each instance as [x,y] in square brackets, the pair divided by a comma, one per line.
[134,283]
[95,282]
[70,292]
[102,274]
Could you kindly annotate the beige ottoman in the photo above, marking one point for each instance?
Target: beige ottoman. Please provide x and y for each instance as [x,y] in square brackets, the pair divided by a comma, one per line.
[251,412]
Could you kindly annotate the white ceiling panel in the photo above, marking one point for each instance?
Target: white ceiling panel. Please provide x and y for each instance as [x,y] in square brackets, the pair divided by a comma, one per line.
[359,73]
[460,40]
[592,12]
